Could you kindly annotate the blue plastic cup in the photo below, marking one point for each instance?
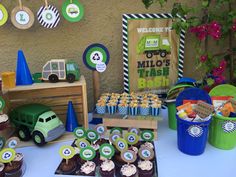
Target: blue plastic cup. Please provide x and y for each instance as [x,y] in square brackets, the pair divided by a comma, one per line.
[133,111]
[101,109]
[192,136]
[155,111]
[123,110]
[144,111]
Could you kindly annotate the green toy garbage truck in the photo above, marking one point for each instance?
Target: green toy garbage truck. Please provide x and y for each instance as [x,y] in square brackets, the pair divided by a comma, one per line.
[37,121]
[60,69]
[154,45]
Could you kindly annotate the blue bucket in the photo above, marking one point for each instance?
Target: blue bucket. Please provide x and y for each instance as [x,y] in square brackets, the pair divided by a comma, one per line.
[192,136]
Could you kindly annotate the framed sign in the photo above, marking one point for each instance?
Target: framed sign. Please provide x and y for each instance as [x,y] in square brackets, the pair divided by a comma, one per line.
[153,53]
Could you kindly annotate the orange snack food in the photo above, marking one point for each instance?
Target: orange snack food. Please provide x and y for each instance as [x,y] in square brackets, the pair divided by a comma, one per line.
[227,108]
[187,107]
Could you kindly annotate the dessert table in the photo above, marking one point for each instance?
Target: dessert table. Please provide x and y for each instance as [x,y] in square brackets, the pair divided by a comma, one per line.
[43,161]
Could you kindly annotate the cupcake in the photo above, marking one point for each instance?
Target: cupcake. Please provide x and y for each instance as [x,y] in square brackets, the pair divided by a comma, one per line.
[145,168]
[155,109]
[111,107]
[4,121]
[107,168]
[123,108]
[133,108]
[76,157]
[144,109]
[101,107]
[88,169]
[15,165]
[97,157]
[68,168]
[2,172]
[148,145]
[128,170]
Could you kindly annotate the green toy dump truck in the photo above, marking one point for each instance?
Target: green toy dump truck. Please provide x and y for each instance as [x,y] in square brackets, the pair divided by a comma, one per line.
[37,121]
[154,45]
[60,69]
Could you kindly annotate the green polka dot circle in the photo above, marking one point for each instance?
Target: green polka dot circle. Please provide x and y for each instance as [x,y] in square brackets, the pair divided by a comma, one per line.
[95,54]
[73,11]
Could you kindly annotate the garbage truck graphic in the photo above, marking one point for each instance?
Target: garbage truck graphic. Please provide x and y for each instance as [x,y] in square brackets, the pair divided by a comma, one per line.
[60,69]
[154,45]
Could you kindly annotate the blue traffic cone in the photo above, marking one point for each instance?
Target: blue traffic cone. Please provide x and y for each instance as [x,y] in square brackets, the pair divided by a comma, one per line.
[71,119]
[23,75]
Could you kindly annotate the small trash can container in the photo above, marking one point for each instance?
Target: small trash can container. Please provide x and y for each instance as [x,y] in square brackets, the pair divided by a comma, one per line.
[170,102]
[222,131]
[192,136]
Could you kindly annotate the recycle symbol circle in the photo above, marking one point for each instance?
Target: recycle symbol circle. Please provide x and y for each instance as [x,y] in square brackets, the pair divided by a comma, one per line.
[95,54]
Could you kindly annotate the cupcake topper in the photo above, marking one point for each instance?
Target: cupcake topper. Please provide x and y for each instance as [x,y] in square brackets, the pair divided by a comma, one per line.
[128,156]
[116,130]
[2,142]
[134,130]
[67,152]
[7,155]
[91,135]
[147,135]
[3,15]
[72,10]
[82,143]
[12,142]
[107,151]
[79,132]
[48,16]
[87,153]
[22,17]
[101,130]
[114,136]
[121,144]
[2,104]
[146,153]
[131,138]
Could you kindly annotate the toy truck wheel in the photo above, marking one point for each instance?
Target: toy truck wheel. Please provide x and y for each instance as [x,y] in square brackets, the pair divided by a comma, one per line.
[23,133]
[53,78]
[38,138]
[149,54]
[70,78]
[163,54]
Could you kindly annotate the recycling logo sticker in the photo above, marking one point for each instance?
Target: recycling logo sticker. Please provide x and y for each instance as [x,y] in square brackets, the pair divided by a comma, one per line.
[229,126]
[72,10]
[96,57]
[195,131]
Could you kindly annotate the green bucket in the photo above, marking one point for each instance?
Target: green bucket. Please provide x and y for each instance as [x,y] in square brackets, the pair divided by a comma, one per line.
[171,95]
[171,114]
[222,131]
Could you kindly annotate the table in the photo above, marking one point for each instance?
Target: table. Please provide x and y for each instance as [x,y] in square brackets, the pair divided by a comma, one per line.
[42,162]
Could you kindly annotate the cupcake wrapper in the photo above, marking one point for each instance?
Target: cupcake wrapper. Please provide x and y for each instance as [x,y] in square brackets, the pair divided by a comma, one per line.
[111,109]
[155,111]
[101,109]
[123,110]
[144,111]
[133,111]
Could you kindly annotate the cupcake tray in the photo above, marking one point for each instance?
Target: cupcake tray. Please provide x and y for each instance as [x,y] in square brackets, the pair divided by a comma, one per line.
[59,173]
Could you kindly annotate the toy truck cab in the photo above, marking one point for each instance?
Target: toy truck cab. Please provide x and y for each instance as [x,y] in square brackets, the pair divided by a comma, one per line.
[59,69]
[154,45]
[38,121]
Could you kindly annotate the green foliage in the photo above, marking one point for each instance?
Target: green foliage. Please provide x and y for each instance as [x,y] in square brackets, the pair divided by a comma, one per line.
[148,3]
[206,12]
